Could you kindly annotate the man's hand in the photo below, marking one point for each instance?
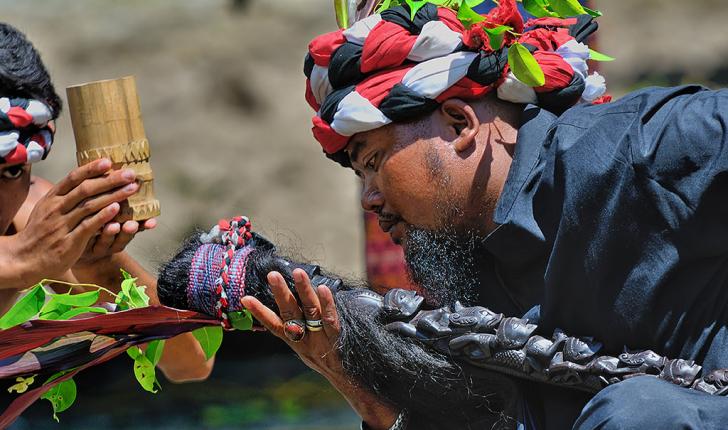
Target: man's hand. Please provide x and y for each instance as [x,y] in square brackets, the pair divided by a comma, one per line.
[318,349]
[112,239]
[64,221]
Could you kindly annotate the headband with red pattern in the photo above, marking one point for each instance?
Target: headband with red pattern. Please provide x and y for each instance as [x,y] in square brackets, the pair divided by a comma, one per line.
[24,133]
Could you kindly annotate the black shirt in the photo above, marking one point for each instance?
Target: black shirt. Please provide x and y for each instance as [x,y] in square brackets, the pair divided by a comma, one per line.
[614,222]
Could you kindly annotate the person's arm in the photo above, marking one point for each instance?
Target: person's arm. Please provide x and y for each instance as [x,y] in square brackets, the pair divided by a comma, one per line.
[183,360]
[318,349]
[100,260]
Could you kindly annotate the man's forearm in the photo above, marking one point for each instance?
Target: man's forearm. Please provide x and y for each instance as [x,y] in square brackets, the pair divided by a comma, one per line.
[183,358]
[377,414]
[15,273]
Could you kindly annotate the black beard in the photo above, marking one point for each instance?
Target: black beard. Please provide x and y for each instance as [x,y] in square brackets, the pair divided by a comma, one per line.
[442,263]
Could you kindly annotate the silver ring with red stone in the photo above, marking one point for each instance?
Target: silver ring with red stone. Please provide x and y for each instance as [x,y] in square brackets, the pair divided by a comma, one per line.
[294,330]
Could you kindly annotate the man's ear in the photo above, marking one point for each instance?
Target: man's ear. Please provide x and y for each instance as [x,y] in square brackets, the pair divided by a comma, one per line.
[462,118]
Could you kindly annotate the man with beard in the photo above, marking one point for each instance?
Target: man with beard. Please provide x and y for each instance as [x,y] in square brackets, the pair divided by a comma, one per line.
[606,220]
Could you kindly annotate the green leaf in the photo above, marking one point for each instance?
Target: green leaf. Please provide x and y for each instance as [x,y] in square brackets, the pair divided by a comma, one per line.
[384,5]
[524,66]
[134,352]
[52,309]
[567,8]
[82,310]
[468,16]
[25,308]
[82,299]
[61,396]
[241,320]
[495,36]
[592,12]
[341,8]
[210,339]
[154,351]
[126,274]
[60,306]
[131,295]
[537,8]
[145,373]
[414,6]
[598,56]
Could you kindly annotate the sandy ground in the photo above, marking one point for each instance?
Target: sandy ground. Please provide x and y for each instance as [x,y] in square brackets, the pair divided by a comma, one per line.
[222,97]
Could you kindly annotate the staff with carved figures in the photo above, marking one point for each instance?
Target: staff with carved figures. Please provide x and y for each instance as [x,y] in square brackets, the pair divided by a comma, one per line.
[490,152]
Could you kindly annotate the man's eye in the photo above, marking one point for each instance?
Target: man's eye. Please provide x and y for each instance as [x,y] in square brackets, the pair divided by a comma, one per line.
[12,172]
[371,163]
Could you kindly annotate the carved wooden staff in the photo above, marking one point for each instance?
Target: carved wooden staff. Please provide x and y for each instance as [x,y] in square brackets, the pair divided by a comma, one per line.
[107,122]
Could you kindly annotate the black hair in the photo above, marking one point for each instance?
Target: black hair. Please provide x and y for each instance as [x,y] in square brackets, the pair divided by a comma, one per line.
[435,389]
[174,275]
[22,72]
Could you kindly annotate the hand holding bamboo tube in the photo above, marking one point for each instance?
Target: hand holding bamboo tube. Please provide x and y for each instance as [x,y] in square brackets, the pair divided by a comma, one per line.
[107,123]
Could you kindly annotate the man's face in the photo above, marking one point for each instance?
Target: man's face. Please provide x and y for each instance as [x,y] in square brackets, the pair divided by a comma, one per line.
[14,187]
[414,179]
[420,188]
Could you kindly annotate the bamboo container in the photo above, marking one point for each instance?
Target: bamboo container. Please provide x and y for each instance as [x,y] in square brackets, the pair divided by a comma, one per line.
[107,123]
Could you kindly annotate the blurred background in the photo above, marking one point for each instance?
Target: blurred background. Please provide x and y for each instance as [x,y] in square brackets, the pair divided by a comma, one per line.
[221,89]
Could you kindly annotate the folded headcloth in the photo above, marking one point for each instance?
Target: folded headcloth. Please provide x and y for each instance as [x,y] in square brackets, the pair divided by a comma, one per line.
[24,133]
[389,67]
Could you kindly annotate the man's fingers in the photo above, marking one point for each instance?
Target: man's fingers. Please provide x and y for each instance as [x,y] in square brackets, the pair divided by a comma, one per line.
[287,304]
[78,175]
[264,315]
[90,225]
[149,224]
[128,230]
[329,316]
[117,185]
[309,299]
[104,241]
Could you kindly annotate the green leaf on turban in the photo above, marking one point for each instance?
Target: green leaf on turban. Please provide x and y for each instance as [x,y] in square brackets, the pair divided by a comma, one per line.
[566,8]
[537,8]
[495,36]
[524,66]
[598,56]
[592,12]
[468,16]
[415,5]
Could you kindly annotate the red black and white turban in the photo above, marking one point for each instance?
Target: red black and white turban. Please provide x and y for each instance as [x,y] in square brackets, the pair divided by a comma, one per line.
[389,67]
[24,133]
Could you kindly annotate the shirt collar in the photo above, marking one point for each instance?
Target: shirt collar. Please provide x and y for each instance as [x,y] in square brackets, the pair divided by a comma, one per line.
[535,126]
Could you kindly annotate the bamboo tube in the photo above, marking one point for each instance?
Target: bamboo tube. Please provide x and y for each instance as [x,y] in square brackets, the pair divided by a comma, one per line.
[107,122]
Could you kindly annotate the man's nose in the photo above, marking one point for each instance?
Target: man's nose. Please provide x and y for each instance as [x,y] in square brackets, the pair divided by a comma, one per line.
[371,198]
